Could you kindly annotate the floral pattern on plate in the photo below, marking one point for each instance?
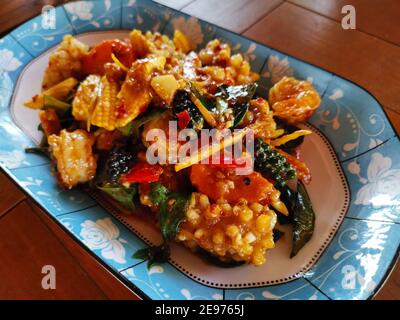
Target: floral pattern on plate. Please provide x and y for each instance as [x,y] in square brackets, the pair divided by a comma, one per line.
[252,51]
[198,32]
[104,235]
[294,290]
[94,15]
[36,39]
[164,282]
[375,183]
[356,260]
[13,144]
[13,58]
[144,15]
[344,118]
[43,187]
[279,65]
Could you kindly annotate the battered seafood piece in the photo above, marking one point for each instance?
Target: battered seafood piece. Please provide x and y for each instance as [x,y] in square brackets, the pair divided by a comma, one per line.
[293,101]
[73,153]
[66,62]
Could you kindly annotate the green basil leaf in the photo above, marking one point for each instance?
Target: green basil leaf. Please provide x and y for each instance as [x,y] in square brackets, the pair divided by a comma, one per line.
[171,216]
[141,254]
[158,193]
[303,220]
[155,254]
[125,196]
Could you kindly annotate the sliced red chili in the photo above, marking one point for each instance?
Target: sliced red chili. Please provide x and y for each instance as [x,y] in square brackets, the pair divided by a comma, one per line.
[183,119]
[143,172]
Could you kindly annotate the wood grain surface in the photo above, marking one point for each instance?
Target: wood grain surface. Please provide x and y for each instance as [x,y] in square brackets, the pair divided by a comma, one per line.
[307,29]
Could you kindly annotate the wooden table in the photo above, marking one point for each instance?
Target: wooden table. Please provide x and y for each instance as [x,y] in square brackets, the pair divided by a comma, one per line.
[307,29]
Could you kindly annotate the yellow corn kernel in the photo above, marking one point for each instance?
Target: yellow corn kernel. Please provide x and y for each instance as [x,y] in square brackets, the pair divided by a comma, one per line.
[256,207]
[203,201]
[245,68]
[105,113]
[263,223]
[250,237]
[218,237]
[268,242]
[246,214]
[232,231]
[230,73]
[216,73]
[225,53]
[181,42]
[236,210]
[213,212]
[237,240]
[199,233]
[258,256]
[193,216]
[236,61]
[226,207]
[242,79]
[247,249]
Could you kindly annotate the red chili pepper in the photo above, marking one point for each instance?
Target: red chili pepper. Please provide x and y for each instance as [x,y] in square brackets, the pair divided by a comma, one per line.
[143,172]
[183,119]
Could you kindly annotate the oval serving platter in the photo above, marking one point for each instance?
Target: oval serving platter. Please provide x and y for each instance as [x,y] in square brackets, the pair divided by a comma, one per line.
[353,155]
